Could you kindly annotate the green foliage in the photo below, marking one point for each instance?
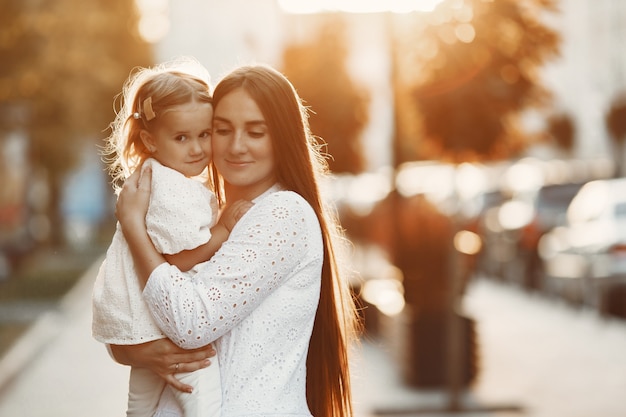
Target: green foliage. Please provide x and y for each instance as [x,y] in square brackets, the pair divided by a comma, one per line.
[63,62]
[473,69]
[339,106]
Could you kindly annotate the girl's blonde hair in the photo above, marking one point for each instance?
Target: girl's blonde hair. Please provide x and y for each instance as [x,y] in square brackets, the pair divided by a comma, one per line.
[146,94]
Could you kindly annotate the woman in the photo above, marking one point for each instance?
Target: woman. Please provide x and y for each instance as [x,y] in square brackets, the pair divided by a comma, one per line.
[271,297]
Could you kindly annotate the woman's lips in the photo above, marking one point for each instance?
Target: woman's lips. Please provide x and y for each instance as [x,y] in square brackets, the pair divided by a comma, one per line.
[238,163]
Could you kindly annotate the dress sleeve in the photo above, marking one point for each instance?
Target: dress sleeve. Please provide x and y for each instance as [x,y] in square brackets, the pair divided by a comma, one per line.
[278,237]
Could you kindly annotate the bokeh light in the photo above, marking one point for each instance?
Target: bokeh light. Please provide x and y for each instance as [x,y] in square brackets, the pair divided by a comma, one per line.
[358,6]
[467,242]
[154,23]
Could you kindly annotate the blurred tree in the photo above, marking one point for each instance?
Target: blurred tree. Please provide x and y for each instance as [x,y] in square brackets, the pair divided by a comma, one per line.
[616,126]
[562,130]
[339,106]
[467,71]
[63,62]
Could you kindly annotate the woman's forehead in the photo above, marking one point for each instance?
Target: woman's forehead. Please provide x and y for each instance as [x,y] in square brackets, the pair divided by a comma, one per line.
[238,105]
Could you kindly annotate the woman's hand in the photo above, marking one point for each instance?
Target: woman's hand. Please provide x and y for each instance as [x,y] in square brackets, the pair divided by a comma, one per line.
[131,208]
[165,359]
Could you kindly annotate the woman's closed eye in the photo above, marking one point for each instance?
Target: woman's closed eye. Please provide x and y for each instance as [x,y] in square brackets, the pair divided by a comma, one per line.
[256,133]
[222,131]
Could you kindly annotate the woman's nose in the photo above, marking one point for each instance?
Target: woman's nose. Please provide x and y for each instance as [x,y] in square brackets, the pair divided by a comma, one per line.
[237,145]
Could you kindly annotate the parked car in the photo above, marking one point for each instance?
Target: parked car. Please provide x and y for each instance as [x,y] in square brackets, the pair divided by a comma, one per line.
[585,260]
[513,227]
[550,205]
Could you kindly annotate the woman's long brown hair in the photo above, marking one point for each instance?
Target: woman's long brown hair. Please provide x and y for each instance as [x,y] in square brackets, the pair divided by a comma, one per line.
[299,167]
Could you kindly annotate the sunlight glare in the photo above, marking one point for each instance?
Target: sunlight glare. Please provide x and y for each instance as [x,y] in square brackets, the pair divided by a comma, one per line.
[358,6]
[465,32]
[154,23]
[467,242]
[386,294]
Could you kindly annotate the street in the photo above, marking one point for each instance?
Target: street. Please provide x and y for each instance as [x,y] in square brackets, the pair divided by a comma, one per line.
[542,357]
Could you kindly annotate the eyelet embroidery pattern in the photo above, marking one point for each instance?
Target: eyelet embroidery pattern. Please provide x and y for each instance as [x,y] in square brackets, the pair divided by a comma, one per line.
[292,334]
[182,222]
[256,298]
[177,219]
[280,212]
[249,256]
[214,294]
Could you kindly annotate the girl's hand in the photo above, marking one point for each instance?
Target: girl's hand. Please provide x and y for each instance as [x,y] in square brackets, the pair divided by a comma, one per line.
[132,203]
[233,212]
[165,359]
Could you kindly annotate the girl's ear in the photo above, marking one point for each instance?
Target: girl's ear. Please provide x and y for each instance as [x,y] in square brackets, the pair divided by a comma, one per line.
[147,140]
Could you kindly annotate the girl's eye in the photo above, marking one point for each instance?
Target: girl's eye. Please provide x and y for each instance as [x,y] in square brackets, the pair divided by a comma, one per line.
[256,134]
[181,138]
[205,135]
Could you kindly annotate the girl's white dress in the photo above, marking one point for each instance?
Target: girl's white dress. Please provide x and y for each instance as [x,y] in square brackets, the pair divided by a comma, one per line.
[182,210]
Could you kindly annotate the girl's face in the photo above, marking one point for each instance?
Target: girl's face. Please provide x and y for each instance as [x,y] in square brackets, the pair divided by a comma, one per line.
[242,145]
[181,138]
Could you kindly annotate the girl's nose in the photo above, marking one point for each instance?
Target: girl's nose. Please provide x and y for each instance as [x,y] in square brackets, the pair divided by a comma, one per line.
[196,147]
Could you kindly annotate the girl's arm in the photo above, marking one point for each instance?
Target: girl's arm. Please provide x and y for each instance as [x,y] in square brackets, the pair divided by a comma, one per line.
[186,259]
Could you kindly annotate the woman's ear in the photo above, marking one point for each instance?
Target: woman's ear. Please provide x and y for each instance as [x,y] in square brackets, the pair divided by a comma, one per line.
[147,140]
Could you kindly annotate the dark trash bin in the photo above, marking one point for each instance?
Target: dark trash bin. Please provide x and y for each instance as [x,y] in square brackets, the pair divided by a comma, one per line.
[426,352]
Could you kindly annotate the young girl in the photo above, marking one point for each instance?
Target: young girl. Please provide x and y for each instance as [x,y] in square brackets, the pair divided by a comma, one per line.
[165,123]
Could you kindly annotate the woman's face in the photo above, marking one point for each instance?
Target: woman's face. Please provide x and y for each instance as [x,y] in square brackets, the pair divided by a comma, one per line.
[242,146]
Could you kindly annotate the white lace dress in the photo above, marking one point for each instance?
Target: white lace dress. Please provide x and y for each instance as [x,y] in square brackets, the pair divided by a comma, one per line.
[180,215]
[257,298]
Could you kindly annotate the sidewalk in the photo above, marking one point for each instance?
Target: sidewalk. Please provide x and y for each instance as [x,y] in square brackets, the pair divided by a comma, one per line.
[550,360]
[58,369]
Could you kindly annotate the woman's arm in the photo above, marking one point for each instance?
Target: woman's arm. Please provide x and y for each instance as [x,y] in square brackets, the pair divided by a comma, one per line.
[279,237]
[164,358]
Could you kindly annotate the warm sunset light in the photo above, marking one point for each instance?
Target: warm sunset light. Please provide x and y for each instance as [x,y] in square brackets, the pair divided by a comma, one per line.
[154,23]
[358,6]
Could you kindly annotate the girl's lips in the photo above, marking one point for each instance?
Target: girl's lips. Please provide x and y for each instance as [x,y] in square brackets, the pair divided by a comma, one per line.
[199,161]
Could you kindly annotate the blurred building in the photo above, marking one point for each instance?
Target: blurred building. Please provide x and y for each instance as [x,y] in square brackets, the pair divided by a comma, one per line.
[223,33]
[221,37]
[589,73]
[591,70]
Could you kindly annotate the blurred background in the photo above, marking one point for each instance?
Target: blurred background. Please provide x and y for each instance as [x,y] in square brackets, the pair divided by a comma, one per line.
[477,147]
